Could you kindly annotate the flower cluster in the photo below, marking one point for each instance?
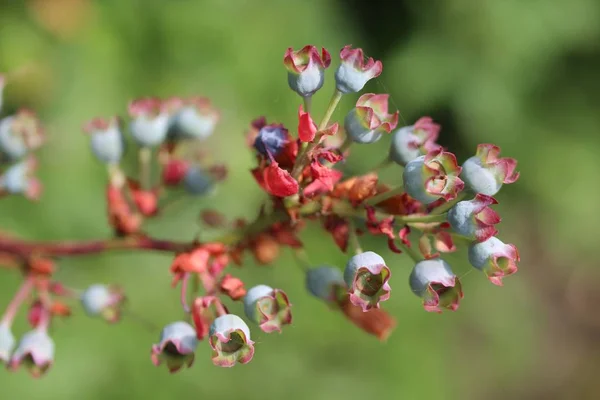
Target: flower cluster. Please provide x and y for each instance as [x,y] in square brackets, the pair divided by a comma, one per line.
[434,206]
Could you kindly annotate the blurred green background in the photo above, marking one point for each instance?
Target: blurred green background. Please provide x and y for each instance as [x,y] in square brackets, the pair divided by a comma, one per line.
[521,74]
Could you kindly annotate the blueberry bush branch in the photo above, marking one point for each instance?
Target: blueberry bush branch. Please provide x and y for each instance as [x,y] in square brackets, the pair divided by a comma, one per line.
[435,206]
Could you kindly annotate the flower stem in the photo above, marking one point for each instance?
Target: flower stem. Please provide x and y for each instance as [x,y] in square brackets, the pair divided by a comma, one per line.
[183,297]
[17,300]
[145,158]
[346,144]
[378,198]
[449,204]
[307,103]
[220,308]
[301,259]
[353,236]
[409,250]
[333,103]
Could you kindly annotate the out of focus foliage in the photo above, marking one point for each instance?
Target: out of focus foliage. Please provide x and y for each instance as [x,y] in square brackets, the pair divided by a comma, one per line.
[521,74]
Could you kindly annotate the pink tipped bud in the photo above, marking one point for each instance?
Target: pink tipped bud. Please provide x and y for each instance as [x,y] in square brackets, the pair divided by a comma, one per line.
[104,301]
[106,139]
[367,277]
[412,141]
[486,171]
[196,118]
[370,118]
[176,348]
[268,307]
[20,134]
[434,281]
[354,72]
[19,179]
[306,69]
[35,351]
[150,121]
[494,258]
[229,338]
[326,283]
[474,218]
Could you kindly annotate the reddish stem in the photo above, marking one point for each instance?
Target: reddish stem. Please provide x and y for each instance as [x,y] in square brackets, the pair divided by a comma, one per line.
[25,248]
[18,299]
[184,287]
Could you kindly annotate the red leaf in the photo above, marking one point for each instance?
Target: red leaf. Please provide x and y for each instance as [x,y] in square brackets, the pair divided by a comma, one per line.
[279,182]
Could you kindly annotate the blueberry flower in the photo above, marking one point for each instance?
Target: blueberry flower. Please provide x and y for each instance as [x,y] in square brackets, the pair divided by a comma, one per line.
[474,218]
[271,139]
[367,277]
[353,72]
[7,342]
[197,182]
[410,142]
[106,139]
[195,119]
[103,301]
[35,351]
[268,307]
[433,176]
[229,337]
[306,69]
[434,281]
[494,258]
[19,180]
[326,283]
[20,134]
[150,121]
[486,171]
[176,347]
[370,119]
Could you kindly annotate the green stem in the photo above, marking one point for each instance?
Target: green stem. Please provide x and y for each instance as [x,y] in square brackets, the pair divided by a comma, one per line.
[409,250]
[354,237]
[301,259]
[307,103]
[449,204]
[378,198]
[346,145]
[333,103]
[387,161]
[145,157]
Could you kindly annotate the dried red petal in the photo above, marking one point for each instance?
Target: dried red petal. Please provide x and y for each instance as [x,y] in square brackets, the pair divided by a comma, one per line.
[232,287]
[306,126]
[376,322]
[339,229]
[279,182]
[265,249]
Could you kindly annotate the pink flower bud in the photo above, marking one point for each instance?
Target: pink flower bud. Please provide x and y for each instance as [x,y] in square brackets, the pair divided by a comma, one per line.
[432,177]
[7,342]
[474,218]
[150,121]
[195,119]
[353,72]
[268,307]
[306,69]
[176,348]
[19,179]
[106,139]
[367,277]
[229,338]
[412,141]
[35,351]
[20,134]
[326,283]
[494,258]
[104,301]
[434,281]
[370,119]
[486,171]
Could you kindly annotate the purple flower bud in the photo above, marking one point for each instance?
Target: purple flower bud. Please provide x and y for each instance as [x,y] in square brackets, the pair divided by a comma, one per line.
[271,139]
[370,119]
[229,337]
[19,179]
[434,281]
[195,119]
[106,139]
[306,69]
[367,277]
[20,134]
[486,171]
[104,301]
[35,351]
[197,182]
[326,283]
[494,258]
[176,348]
[7,342]
[410,142]
[433,176]
[268,307]
[353,72]
[474,218]
[150,121]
